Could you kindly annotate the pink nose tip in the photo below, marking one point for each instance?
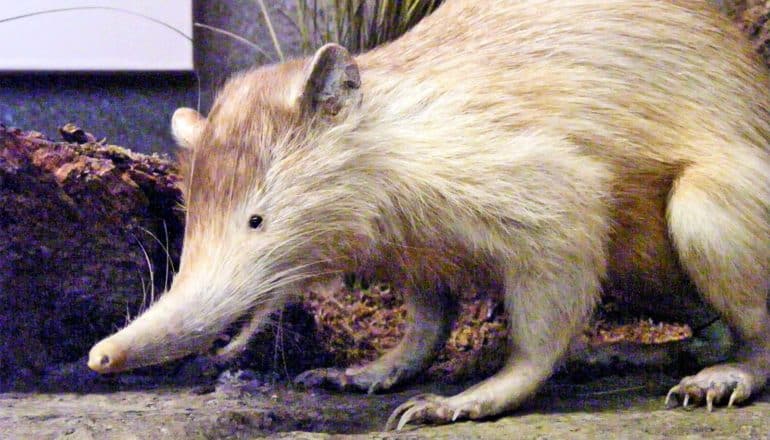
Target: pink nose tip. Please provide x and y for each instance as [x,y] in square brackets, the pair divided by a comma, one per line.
[106,357]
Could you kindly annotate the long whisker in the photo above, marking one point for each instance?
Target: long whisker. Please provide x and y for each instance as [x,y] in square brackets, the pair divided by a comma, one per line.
[149,268]
[278,347]
[169,261]
[165,248]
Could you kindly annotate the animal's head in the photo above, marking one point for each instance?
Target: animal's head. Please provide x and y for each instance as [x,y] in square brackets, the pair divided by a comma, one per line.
[272,203]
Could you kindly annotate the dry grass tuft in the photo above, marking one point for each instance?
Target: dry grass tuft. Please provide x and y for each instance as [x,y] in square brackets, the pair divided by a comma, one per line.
[356,24]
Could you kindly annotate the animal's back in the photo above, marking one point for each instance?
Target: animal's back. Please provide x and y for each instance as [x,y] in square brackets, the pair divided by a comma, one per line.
[658,74]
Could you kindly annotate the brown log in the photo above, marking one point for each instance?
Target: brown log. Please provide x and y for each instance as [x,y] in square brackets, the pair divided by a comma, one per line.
[75,224]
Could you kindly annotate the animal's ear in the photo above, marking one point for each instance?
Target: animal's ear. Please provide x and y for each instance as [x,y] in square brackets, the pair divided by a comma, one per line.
[186,126]
[332,82]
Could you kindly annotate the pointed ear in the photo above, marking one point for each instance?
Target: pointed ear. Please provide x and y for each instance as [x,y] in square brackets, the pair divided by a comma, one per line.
[186,126]
[332,82]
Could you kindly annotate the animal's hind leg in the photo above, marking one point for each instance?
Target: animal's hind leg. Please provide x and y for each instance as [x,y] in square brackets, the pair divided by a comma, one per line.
[718,219]
[430,318]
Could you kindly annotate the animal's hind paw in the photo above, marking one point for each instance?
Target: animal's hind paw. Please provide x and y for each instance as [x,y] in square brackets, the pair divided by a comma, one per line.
[732,383]
[430,408]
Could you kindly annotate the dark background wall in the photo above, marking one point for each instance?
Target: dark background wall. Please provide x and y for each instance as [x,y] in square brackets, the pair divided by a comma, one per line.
[133,110]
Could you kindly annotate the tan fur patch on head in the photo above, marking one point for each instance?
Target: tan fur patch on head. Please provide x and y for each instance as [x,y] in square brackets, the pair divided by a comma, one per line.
[253,116]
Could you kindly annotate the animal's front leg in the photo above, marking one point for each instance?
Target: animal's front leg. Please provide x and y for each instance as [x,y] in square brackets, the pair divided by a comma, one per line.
[429,315]
[547,307]
[505,390]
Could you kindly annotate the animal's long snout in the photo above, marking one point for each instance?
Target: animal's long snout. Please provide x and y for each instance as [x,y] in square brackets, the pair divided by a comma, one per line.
[107,356]
[180,323]
[168,330]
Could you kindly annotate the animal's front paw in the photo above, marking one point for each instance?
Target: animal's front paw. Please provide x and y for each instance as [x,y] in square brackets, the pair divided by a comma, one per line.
[352,379]
[734,383]
[330,378]
[430,408]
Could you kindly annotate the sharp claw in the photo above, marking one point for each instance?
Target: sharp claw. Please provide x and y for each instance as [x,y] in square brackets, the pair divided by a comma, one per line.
[736,396]
[406,417]
[686,400]
[457,413]
[428,408]
[710,396]
[373,388]
[391,424]
[741,393]
[671,392]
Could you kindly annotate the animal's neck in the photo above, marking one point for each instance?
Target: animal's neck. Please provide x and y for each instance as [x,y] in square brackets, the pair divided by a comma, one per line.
[413,156]
[429,151]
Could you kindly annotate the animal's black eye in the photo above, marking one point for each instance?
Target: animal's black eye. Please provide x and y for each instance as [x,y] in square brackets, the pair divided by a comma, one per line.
[255,221]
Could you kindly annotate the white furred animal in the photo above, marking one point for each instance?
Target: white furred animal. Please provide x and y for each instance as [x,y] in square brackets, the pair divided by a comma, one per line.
[547,147]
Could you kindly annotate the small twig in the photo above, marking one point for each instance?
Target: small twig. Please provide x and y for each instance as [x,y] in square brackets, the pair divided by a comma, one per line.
[613,391]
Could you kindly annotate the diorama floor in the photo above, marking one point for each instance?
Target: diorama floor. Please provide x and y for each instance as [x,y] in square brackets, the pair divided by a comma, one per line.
[611,407]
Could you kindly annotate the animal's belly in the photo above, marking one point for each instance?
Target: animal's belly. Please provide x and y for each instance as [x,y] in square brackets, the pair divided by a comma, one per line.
[644,274]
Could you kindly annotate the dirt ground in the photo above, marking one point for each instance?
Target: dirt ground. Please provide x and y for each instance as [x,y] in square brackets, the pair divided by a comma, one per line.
[247,407]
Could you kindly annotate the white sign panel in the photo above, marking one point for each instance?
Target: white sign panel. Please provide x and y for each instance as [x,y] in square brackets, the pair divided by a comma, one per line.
[145,35]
